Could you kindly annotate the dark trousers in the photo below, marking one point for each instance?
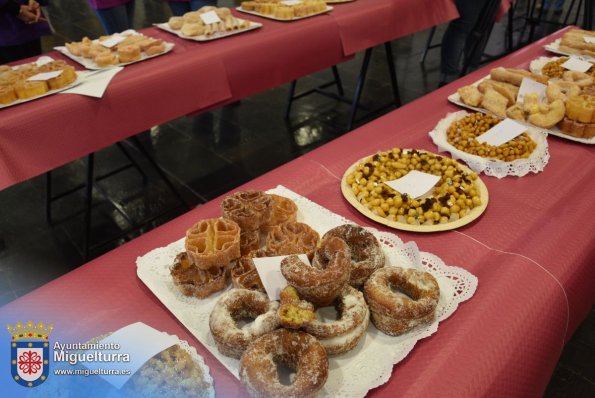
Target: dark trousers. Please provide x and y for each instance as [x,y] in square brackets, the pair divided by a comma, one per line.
[15,53]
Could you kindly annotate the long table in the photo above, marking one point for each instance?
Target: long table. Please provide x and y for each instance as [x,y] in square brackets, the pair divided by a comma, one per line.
[532,251]
[195,77]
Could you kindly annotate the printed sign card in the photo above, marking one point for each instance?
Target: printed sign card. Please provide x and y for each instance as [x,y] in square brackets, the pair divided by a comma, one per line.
[531,86]
[503,132]
[577,65]
[210,17]
[414,184]
[269,270]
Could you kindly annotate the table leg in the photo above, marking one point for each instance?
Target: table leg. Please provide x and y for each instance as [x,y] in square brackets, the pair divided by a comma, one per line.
[392,71]
[359,88]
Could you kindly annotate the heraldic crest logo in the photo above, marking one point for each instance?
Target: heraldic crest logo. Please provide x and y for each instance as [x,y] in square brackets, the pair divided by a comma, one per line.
[30,353]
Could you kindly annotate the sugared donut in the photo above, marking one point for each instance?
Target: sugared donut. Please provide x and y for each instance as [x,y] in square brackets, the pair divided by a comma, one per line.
[342,335]
[250,209]
[322,282]
[241,304]
[298,350]
[401,299]
[366,254]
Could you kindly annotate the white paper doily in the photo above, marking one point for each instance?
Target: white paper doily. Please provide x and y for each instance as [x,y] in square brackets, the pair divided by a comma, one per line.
[493,167]
[374,356]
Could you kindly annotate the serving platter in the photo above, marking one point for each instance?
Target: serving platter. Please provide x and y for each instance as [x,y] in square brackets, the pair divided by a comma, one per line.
[470,217]
[240,9]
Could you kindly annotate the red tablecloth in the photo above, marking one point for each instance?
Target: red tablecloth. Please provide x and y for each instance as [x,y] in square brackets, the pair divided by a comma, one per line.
[44,134]
[532,251]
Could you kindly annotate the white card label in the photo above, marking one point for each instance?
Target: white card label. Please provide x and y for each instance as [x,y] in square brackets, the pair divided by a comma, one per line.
[577,65]
[269,270]
[46,75]
[589,39]
[531,86]
[503,132]
[139,341]
[43,60]
[414,184]
[210,17]
[291,2]
[112,41]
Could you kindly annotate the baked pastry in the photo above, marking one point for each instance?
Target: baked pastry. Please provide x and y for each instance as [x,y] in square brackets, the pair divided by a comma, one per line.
[561,90]
[194,282]
[495,102]
[213,242]
[250,209]
[176,23]
[236,305]
[549,114]
[579,78]
[283,210]
[7,95]
[470,95]
[26,89]
[510,91]
[322,282]
[294,312]
[366,254]
[401,299]
[577,129]
[291,238]
[515,76]
[516,112]
[343,334]
[67,77]
[581,108]
[155,49]
[105,60]
[129,53]
[192,29]
[298,350]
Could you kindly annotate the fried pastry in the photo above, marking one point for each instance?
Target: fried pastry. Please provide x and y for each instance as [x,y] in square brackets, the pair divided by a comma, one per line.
[213,242]
[196,282]
[250,209]
[470,95]
[176,23]
[283,210]
[28,89]
[548,115]
[7,95]
[292,238]
[581,108]
[510,91]
[67,77]
[495,102]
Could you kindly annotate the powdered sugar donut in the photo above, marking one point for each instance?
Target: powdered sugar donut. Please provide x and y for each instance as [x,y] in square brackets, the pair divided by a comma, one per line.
[238,304]
[366,254]
[343,334]
[298,350]
[322,282]
[413,303]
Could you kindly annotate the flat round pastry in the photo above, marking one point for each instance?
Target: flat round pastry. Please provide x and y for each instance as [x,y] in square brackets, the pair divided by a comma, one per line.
[195,282]
[26,89]
[298,350]
[213,242]
[67,77]
[176,23]
[129,53]
[284,210]
[322,282]
[366,253]
[7,95]
[292,238]
[342,335]
[363,187]
[401,299]
[250,209]
[237,305]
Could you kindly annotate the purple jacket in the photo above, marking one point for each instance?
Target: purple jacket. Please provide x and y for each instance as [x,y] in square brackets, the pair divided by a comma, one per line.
[13,31]
[101,4]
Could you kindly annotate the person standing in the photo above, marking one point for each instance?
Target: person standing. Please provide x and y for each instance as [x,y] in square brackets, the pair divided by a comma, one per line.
[115,15]
[455,38]
[21,27]
[181,7]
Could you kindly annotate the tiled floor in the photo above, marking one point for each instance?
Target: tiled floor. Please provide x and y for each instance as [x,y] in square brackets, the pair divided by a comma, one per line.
[206,156]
